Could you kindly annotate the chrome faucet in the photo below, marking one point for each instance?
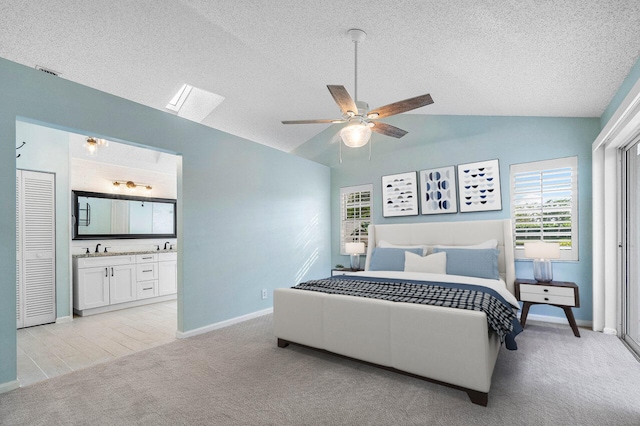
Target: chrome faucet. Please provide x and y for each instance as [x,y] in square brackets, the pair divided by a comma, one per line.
[165,245]
[97,245]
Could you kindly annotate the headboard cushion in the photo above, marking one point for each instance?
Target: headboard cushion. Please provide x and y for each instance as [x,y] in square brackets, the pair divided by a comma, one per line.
[450,234]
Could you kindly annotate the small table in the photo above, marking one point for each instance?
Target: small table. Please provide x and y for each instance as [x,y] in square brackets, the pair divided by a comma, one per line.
[555,293]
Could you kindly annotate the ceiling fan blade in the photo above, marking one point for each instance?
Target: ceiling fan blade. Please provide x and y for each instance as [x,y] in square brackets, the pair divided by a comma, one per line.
[343,99]
[401,106]
[312,121]
[388,129]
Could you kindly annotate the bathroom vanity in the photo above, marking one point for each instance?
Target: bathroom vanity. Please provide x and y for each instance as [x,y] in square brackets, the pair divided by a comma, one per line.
[105,282]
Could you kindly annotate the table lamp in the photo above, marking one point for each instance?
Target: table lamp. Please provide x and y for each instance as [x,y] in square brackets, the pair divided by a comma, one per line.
[354,250]
[541,253]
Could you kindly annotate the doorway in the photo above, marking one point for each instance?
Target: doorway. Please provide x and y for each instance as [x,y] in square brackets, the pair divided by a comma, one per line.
[70,343]
[631,248]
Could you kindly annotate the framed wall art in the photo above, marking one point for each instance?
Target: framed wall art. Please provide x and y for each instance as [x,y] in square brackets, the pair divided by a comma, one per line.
[438,190]
[400,195]
[479,186]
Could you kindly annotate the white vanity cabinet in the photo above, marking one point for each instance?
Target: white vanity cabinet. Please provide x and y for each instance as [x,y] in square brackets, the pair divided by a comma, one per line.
[104,283]
[101,281]
[167,273]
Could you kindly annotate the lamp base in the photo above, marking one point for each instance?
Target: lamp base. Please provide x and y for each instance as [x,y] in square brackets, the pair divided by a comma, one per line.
[355,262]
[542,271]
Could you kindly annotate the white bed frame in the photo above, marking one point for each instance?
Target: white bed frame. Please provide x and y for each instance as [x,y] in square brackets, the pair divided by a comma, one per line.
[453,347]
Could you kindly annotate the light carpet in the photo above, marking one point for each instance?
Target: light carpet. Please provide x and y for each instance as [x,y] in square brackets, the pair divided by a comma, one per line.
[238,376]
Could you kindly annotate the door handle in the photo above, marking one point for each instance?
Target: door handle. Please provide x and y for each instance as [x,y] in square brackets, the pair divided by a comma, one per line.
[106,272]
[111,271]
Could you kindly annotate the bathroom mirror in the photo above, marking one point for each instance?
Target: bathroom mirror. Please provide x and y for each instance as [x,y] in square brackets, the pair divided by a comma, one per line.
[98,216]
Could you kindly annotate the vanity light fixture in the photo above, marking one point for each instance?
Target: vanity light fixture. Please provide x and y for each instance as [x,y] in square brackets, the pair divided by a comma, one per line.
[92,145]
[130,185]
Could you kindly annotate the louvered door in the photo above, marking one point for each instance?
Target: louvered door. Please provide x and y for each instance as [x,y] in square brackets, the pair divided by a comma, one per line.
[36,227]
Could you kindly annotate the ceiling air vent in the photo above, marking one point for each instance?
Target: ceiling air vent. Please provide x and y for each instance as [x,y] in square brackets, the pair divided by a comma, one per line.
[48,71]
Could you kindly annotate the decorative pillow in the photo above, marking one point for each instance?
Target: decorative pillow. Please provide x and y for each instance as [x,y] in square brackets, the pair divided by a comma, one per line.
[385,244]
[481,263]
[434,263]
[389,259]
[489,244]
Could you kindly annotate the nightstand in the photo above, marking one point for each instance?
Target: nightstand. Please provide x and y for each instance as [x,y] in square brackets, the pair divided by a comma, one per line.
[555,293]
[343,271]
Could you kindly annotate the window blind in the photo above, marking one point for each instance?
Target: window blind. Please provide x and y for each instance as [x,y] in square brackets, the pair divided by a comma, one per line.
[355,214]
[544,198]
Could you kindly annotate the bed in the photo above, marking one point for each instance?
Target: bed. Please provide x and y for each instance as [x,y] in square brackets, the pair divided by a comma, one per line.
[453,347]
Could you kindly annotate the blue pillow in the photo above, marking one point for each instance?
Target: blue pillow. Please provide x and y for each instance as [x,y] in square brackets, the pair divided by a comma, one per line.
[481,263]
[390,259]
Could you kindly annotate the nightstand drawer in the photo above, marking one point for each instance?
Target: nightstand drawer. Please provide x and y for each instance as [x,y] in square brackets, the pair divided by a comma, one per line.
[548,298]
[547,290]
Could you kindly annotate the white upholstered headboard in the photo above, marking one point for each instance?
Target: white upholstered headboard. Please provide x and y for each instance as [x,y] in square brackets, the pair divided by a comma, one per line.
[451,234]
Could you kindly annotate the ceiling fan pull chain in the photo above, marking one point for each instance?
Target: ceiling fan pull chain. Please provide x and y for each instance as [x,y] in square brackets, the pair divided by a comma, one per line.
[370,143]
[340,152]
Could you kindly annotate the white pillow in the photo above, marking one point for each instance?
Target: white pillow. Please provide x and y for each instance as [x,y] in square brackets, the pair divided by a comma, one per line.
[490,244]
[385,244]
[434,263]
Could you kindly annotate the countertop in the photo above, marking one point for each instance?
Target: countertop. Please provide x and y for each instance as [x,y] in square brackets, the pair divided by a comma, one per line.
[122,253]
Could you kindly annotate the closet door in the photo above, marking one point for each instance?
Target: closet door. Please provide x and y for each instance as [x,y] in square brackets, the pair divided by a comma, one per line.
[19,278]
[37,248]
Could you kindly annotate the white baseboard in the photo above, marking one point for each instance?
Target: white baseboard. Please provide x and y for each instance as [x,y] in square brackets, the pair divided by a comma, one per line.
[9,386]
[558,320]
[61,320]
[608,330]
[222,324]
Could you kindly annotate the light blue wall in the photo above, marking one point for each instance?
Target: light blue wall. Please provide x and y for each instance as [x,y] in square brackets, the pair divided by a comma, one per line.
[435,141]
[251,217]
[623,90]
[47,150]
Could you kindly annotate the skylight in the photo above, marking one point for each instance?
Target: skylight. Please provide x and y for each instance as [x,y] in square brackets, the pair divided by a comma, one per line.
[193,103]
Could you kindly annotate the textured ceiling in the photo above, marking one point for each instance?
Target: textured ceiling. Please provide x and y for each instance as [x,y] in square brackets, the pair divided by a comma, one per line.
[272,60]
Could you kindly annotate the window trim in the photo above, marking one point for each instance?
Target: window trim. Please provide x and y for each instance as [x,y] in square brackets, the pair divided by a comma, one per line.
[350,190]
[571,254]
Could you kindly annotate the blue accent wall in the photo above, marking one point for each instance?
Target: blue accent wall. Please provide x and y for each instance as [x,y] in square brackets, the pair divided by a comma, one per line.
[251,217]
[436,141]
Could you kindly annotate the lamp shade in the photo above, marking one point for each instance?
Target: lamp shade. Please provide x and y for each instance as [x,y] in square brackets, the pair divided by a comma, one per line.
[354,248]
[355,135]
[542,250]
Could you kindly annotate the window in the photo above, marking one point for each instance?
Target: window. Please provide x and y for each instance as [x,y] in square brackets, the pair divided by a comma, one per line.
[544,204]
[355,214]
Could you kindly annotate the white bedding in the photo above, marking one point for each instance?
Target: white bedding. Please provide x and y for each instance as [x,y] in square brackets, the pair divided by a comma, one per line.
[498,285]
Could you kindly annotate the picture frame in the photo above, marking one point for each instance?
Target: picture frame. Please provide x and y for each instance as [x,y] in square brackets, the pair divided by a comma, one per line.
[400,195]
[438,191]
[479,186]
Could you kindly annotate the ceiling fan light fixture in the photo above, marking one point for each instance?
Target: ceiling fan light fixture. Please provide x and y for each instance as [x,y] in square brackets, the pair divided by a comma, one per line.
[355,135]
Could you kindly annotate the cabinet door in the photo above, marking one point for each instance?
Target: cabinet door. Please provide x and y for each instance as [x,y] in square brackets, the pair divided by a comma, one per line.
[122,287]
[168,277]
[92,288]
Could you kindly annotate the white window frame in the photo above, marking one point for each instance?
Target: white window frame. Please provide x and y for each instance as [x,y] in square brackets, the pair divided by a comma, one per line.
[551,178]
[347,225]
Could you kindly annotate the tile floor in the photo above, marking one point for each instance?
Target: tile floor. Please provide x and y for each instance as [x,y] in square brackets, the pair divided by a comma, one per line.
[50,350]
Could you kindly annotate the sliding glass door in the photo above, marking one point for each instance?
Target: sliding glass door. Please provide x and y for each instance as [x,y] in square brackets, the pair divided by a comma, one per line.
[631,238]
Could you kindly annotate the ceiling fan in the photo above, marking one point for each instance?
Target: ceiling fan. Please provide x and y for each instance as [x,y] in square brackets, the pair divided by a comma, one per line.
[361,121]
